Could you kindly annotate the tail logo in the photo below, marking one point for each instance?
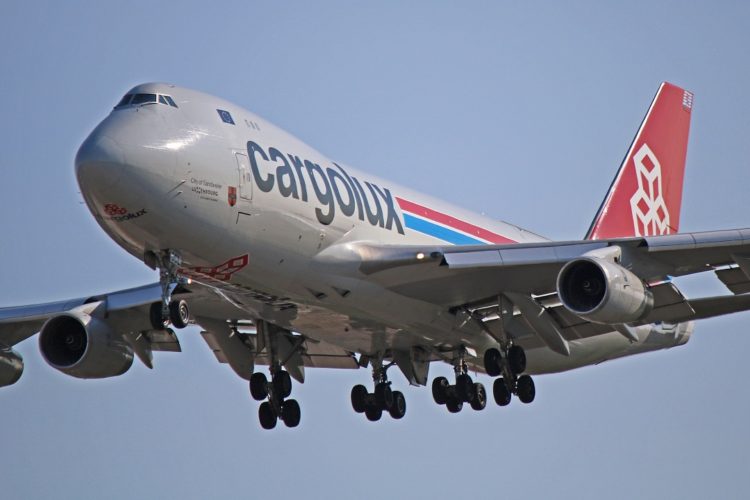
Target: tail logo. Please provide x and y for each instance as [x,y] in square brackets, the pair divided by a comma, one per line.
[650,214]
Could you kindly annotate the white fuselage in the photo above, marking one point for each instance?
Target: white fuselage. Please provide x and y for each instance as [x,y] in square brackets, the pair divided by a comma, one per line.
[157,176]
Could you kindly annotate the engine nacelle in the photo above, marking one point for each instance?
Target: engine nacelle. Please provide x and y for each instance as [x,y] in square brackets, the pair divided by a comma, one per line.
[11,366]
[601,291]
[82,346]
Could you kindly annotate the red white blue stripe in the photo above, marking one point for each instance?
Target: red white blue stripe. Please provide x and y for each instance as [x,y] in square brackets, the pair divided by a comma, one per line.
[444,227]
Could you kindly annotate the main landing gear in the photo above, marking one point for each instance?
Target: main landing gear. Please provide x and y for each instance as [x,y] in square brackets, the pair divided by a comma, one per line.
[383,398]
[510,364]
[277,407]
[275,392]
[465,390]
[168,311]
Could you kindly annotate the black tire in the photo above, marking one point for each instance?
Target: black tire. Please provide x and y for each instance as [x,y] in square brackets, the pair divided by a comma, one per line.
[282,384]
[179,314]
[373,413]
[517,359]
[266,415]
[465,388]
[454,405]
[258,386]
[155,317]
[440,389]
[384,395]
[525,389]
[398,408]
[291,413]
[501,392]
[479,401]
[493,362]
[359,398]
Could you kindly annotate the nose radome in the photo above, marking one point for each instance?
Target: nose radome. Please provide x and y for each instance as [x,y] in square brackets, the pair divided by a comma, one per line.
[99,162]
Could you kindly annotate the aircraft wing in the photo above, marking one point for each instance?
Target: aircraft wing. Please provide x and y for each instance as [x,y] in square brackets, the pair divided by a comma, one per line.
[471,278]
[224,315]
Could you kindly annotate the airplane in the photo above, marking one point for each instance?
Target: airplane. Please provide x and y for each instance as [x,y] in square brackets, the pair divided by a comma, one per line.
[287,259]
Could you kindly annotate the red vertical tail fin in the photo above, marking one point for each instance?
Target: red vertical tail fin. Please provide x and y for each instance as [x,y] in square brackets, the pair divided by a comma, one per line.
[646,195]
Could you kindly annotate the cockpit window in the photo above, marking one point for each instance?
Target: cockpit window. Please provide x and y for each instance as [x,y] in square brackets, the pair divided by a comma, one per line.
[170,101]
[124,101]
[143,98]
[134,99]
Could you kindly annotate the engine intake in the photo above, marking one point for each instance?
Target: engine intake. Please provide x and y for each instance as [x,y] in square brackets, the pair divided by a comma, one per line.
[601,291]
[84,347]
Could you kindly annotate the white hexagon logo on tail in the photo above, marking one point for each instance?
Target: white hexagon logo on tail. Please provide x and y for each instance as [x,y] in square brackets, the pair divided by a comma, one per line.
[650,214]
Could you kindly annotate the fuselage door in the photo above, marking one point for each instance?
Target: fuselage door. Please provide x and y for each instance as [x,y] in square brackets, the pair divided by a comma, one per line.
[246,180]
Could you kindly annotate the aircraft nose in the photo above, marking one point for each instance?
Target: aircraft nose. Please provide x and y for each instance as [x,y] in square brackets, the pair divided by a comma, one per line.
[99,163]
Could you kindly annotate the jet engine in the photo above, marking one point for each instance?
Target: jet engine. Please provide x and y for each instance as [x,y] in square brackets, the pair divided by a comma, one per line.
[11,366]
[601,291]
[83,346]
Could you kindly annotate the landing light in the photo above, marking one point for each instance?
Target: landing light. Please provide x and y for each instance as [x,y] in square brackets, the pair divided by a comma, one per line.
[420,256]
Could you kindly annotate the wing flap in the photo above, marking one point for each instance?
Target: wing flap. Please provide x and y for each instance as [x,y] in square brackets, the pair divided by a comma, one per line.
[735,280]
[716,306]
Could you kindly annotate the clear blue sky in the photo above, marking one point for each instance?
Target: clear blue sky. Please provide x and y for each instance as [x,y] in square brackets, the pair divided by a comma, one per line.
[520,110]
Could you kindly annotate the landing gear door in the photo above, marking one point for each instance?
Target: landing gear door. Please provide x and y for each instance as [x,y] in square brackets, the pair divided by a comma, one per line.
[245,177]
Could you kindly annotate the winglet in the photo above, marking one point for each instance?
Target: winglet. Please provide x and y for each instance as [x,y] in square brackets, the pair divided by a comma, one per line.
[646,195]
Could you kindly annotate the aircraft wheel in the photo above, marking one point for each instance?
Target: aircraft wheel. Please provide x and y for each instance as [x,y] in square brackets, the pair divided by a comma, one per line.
[179,314]
[493,362]
[439,389]
[359,398]
[525,389]
[282,384]
[398,408]
[258,386]
[373,413]
[465,388]
[384,395]
[454,405]
[517,359]
[479,401]
[501,392]
[291,413]
[266,415]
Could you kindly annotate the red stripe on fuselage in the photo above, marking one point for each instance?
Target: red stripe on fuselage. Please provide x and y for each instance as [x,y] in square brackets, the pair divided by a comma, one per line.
[452,222]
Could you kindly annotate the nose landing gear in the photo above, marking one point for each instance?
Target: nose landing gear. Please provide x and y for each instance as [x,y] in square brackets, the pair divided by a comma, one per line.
[167,311]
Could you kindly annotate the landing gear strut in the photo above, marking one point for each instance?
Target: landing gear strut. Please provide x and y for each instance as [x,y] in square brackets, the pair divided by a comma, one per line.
[383,398]
[167,311]
[510,364]
[465,390]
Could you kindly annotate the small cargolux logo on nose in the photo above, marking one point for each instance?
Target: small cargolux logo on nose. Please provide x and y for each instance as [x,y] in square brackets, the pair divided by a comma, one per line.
[114,210]
[121,214]
[650,214]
